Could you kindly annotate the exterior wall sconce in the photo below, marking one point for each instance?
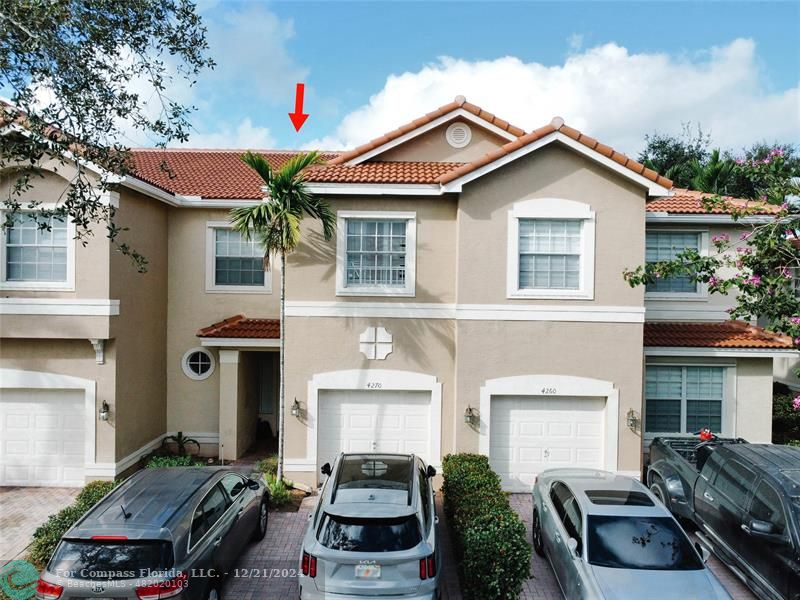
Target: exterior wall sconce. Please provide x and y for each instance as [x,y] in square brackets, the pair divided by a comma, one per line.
[632,420]
[104,410]
[470,416]
[295,408]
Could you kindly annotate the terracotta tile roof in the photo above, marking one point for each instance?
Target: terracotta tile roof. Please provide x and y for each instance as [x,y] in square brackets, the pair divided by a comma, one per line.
[690,202]
[242,327]
[459,102]
[218,174]
[557,124]
[383,172]
[728,334]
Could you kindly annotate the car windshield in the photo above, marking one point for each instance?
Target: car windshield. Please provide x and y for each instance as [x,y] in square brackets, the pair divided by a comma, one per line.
[371,471]
[657,543]
[370,535]
[105,559]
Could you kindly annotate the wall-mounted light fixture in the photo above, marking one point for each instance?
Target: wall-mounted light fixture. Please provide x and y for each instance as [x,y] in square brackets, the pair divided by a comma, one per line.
[632,420]
[295,408]
[104,410]
[470,416]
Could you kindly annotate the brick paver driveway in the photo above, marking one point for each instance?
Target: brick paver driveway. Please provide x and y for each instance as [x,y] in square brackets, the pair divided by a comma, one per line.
[544,585]
[22,510]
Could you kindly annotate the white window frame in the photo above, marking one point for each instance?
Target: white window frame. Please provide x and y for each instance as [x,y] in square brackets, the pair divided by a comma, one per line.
[701,292]
[555,209]
[211,286]
[728,415]
[191,374]
[40,286]
[342,289]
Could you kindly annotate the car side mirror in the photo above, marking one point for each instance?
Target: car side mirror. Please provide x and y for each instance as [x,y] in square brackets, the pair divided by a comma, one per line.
[326,469]
[702,551]
[252,484]
[572,544]
[430,472]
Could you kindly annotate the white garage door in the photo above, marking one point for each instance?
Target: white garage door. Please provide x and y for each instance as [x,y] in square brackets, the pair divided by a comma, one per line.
[529,434]
[42,437]
[370,421]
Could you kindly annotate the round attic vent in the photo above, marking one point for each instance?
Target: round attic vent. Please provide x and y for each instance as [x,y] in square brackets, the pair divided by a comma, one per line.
[458,135]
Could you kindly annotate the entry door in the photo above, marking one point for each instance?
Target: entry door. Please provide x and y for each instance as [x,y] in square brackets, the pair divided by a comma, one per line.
[529,434]
[373,421]
[42,437]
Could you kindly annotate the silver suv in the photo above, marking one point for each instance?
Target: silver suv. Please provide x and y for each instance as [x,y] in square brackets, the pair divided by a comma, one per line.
[163,533]
[373,532]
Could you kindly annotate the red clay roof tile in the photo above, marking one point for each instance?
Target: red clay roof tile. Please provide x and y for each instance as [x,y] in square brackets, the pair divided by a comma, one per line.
[691,202]
[240,326]
[383,172]
[728,334]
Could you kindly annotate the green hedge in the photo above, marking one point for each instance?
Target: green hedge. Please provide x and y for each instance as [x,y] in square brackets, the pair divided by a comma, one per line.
[785,420]
[156,462]
[47,536]
[489,537]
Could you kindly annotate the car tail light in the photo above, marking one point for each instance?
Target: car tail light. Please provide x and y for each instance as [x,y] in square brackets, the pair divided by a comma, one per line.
[427,567]
[309,565]
[165,589]
[109,537]
[432,565]
[48,591]
[423,568]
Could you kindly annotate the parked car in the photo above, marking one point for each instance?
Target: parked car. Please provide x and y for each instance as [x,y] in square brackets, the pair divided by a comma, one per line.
[606,536]
[745,500]
[163,533]
[373,532]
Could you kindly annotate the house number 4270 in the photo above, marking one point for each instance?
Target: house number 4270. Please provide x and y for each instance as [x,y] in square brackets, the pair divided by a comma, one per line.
[374,385]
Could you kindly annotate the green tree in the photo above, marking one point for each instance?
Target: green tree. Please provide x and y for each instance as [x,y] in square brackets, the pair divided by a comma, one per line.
[746,183]
[81,75]
[673,156]
[714,176]
[275,223]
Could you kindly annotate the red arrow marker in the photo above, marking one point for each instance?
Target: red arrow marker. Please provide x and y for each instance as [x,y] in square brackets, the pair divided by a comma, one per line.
[298,117]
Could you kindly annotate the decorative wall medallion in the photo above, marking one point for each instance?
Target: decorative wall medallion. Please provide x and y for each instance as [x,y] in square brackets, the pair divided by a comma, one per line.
[375,343]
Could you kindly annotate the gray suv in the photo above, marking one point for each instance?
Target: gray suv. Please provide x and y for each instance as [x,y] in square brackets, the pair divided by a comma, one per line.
[373,532]
[163,533]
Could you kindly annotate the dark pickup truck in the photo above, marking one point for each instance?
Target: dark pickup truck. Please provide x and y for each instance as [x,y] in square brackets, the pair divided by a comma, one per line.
[743,498]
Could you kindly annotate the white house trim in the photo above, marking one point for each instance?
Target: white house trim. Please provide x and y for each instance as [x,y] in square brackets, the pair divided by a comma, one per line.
[725,352]
[457,113]
[59,306]
[551,208]
[653,188]
[17,378]
[680,313]
[372,379]
[211,286]
[409,289]
[239,343]
[467,312]
[554,385]
[375,189]
[653,218]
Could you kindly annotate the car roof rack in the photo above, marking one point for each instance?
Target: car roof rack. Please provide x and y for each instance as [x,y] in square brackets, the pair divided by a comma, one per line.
[411,478]
[336,481]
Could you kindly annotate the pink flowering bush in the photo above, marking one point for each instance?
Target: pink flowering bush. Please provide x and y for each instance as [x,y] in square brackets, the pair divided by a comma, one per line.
[786,418]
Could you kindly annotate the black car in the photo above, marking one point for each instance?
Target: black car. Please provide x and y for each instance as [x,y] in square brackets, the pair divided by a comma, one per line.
[745,500]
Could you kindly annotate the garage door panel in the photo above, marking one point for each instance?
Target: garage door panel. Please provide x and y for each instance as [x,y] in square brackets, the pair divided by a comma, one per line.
[373,421]
[43,436]
[534,433]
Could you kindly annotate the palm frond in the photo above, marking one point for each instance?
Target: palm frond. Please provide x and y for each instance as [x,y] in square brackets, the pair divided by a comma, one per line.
[259,164]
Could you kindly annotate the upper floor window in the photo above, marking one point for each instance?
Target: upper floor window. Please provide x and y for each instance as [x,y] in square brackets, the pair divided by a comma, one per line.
[376,254]
[682,399]
[37,253]
[551,249]
[666,245]
[234,264]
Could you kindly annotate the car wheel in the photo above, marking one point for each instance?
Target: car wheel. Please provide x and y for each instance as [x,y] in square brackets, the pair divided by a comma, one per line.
[263,517]
[659,491]
[538,543]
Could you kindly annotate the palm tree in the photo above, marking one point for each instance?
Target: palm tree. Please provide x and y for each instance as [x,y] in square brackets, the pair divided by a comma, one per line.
[275,222]
[714,176]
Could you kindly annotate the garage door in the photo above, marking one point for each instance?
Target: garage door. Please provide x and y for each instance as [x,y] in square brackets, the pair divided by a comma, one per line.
[42,437]
[368,421]
[529,434]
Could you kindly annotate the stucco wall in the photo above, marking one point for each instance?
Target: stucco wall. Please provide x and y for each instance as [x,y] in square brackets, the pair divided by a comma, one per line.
[754,399]
[432,146]
[552,172]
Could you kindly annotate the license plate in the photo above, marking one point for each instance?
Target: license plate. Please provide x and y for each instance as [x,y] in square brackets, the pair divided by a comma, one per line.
[368,571]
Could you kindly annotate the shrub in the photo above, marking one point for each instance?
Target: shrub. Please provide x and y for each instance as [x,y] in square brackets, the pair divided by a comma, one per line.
[47,535]
[268,465]
[492,552]
[156,462]
[785,419]
[278,490]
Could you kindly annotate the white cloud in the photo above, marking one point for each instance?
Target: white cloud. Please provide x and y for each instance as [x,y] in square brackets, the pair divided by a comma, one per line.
[575,42]
[245,135]
[605,91]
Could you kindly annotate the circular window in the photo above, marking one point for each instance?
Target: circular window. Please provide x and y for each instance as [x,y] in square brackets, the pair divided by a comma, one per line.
[458,135]
[198,364]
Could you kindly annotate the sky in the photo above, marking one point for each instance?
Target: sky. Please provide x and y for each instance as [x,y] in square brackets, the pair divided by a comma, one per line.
[615,70]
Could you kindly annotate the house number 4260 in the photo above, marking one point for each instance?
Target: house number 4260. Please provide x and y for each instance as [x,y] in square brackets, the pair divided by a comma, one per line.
[548,390]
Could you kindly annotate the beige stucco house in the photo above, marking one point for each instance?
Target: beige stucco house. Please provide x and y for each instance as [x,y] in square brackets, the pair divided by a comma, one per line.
[472,300]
